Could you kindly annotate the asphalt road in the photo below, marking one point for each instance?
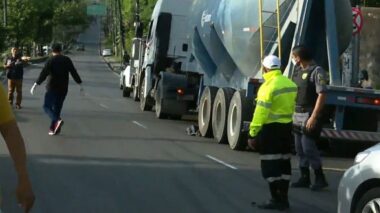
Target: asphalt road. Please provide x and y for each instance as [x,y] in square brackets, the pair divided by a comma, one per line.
[113,158]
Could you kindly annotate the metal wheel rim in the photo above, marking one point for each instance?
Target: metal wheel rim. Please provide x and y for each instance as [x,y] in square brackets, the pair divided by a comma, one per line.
[204,111]
[218,115]
[233,120]
[372,206]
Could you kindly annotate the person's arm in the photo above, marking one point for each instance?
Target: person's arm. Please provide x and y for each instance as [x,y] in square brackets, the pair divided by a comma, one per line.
[74,72]
[16,147]
[320,85]
[262,110]
[319,105]
[15,143]
[44,73]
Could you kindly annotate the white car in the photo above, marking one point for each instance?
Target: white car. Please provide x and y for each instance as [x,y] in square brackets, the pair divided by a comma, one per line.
[359,188]
[106,52]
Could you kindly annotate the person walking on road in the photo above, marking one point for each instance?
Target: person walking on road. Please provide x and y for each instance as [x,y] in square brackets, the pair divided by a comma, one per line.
[57,70]
[15,72]
[311,81]
[16,147]
[271,131]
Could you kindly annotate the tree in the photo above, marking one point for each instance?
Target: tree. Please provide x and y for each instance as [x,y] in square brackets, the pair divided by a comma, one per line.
[21,22]
[70,18]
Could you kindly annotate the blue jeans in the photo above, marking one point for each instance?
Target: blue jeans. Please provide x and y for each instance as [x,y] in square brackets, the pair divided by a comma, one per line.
[53,105]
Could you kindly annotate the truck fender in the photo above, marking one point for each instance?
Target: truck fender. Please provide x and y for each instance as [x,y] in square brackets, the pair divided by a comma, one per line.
[169,83]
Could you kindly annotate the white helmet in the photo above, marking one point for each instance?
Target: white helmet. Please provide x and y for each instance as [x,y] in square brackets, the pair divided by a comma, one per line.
[272,62]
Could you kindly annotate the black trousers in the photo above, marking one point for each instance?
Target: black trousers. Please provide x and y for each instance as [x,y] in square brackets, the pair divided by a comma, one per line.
[275,142]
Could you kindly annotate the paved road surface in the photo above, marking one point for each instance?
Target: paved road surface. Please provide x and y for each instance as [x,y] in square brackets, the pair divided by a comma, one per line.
[112,158]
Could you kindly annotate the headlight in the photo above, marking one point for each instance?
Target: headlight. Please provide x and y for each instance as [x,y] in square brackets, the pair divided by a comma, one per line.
[361,156]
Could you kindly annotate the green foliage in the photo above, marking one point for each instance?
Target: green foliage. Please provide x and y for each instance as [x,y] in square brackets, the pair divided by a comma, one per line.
[21,27]
[42,21]
[69,20]
[128,10]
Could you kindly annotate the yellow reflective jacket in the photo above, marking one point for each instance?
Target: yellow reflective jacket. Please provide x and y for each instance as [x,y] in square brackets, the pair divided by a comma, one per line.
[276,100]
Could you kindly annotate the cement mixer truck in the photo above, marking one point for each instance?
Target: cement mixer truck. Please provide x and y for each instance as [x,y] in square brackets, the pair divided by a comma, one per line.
[204,56]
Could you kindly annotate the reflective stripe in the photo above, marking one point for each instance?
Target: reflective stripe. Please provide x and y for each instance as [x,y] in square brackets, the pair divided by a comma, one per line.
[276,157]
[283,177]
[276,116]
[264,104]
[285,90]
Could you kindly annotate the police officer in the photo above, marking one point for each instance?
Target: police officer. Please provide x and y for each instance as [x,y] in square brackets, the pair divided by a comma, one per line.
[311,81]
[271,131]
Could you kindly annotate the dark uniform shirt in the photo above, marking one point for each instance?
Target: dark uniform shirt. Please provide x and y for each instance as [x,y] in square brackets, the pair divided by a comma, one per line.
[16,71]
[57,70]
[311,82]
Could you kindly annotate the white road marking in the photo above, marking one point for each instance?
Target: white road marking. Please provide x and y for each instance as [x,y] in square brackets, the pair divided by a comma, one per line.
[221,162]
[334,169]
[140,125]
[104,106]
[118,75]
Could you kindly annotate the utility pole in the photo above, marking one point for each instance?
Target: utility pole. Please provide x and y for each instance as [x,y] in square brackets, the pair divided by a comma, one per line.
[122,30]
[5,10]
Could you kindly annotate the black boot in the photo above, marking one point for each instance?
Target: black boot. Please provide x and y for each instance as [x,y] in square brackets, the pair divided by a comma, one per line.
[283,193]
[304,181]
[273,205]
[276,203]
[320,180]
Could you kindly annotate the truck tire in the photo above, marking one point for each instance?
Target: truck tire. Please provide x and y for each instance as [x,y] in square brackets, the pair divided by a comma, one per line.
[368,200]
[220,113]
[205,111]
[126,91]
[144,101]
[158,106]
[135,93]
[240,110]
[159,113]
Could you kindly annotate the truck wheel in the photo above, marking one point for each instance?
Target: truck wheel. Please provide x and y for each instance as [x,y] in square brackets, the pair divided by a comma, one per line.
[205,111]
[135,93]
[219,114]
[158,106]
[144,102]
[126,91]
[369,201]
[240,110]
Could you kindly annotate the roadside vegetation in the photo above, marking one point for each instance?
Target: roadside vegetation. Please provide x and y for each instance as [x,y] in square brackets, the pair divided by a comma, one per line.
[31,24]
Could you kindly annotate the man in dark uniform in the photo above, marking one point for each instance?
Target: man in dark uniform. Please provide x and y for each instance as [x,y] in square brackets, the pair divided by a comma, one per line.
[311,81]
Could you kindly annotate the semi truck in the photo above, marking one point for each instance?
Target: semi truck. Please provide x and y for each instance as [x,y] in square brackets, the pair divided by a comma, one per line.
[205,56]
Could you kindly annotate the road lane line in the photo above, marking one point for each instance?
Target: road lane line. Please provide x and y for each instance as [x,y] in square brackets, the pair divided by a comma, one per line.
[334,169]
[104,106]
[139,124]
[221,162]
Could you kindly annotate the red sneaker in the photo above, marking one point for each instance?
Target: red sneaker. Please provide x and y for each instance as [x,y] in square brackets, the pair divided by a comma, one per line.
[58,126]
[51,132]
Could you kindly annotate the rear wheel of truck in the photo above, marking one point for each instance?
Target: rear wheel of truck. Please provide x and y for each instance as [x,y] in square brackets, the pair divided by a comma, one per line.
[158,106]
[135,93]
[126,91]
[240,110]
[220,114]
[205,111]
[144,102]
[159,113]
